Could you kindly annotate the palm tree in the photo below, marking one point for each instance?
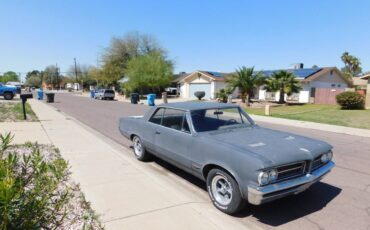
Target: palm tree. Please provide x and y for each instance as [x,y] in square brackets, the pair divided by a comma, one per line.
[284,82]
[246,80]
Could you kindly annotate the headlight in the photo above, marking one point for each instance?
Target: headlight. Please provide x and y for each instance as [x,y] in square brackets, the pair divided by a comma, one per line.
[263,178]
[324,158]
[273,175]
[267,177]
[330,155]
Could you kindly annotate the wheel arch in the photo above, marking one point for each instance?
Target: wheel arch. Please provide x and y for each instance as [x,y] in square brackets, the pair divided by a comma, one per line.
[9,92]
[208,167]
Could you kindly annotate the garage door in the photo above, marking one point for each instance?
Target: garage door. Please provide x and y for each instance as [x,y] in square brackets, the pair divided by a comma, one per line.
[206,87]
[326,96]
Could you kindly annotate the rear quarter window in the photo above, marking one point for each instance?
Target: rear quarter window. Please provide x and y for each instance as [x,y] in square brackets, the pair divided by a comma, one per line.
[157,116]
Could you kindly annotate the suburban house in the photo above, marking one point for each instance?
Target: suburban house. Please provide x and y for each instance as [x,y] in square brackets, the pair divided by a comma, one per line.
[367,78]
[319,85]
[207,81]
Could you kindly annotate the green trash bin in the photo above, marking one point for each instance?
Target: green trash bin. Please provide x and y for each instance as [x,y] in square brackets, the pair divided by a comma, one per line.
[50,97]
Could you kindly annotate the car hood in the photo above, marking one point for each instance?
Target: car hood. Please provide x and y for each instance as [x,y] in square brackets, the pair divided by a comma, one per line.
[11,86]
[271,146]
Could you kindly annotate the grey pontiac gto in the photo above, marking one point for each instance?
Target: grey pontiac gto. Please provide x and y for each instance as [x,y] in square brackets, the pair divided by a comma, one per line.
[221,144]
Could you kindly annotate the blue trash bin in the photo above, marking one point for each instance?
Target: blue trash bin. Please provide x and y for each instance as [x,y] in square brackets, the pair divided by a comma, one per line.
[92,93]
[150,99]
[40,94]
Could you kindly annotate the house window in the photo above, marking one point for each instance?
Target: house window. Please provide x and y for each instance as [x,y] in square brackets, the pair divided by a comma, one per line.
[339,85]
[333,85]
[293,97]
[331,72]
[270,96]
[312,92]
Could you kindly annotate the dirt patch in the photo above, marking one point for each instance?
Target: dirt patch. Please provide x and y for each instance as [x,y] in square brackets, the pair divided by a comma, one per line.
[13,111]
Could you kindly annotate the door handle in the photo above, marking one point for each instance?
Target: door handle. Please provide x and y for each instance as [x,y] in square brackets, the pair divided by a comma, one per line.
[157,132]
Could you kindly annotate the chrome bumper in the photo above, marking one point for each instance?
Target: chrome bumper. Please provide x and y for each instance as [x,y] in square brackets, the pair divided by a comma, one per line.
[259,195]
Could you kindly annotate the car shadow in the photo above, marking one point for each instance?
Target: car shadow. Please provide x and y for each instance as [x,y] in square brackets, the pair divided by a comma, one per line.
[277,212]
[15,99]
[181,173]
[293,207]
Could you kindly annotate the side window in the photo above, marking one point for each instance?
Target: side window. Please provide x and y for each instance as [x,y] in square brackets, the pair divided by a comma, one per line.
[157,116]
[185,125]
[175,119]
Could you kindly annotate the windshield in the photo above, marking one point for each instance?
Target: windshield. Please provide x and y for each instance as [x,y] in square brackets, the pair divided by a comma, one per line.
[218,119]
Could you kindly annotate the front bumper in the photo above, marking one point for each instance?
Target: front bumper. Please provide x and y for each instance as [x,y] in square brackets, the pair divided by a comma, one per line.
[258,195]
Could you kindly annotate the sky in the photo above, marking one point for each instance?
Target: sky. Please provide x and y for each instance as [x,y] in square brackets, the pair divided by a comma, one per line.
[214,35]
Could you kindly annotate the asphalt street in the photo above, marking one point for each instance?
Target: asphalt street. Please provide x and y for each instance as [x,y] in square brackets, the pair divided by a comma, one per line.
[340,201]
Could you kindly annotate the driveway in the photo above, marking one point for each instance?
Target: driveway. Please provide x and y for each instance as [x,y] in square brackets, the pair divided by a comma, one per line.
[340,201]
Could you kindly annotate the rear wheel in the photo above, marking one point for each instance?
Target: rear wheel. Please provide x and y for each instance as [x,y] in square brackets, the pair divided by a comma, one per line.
[224,191]
[8,96]
[139,150]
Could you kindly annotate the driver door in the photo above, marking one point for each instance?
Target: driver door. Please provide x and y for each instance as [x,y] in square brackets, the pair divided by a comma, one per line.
[173,138]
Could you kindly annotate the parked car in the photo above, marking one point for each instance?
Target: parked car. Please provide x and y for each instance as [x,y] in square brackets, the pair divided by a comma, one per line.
[8,91]
[171,90]
[219,143]
[104,94]
[16,84]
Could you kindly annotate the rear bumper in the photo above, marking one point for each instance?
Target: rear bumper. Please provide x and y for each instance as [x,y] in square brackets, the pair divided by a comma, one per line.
[258,195]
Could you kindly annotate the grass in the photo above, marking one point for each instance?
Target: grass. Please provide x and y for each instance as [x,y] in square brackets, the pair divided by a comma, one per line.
[328,114]
[10,111]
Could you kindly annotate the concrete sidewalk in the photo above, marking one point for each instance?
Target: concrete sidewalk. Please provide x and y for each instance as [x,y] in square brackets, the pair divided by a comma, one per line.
[126,193]
[313,125]
[25,131]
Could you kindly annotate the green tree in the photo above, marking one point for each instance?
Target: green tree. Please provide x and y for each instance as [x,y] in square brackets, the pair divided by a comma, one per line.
[245,79]
[34,81]
[150,71]
[34,78]
[9,76]
[352,65]
[121,50]
[51,76]
[284,82]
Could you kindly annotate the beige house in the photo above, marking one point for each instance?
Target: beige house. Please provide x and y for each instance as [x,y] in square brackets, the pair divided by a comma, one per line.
[207,81]
[367,77]
[319,85]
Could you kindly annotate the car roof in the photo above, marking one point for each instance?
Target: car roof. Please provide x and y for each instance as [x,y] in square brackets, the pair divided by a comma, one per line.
[197,105]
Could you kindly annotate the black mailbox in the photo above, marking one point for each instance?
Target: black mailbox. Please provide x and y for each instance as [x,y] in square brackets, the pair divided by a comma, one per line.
[24,98]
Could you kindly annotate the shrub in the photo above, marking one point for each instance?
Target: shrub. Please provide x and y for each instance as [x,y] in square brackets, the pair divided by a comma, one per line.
[223,94]
[200,94]
[31,196]
[351,100]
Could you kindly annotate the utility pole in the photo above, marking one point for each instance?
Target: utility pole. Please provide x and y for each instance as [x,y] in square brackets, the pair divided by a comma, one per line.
[57,75]
[76,73]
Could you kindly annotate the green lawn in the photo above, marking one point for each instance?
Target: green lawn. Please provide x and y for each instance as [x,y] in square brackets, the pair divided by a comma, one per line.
[10,111]
[328,114]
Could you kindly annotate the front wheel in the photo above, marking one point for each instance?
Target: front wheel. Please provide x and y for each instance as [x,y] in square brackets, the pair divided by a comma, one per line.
[139,150]
[8,96]
[224,192]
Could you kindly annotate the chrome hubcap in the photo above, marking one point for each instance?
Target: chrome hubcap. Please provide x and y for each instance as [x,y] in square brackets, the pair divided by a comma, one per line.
[138,149]
[222,190]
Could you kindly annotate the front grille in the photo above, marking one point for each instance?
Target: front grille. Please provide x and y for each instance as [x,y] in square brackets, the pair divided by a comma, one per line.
[291,170]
